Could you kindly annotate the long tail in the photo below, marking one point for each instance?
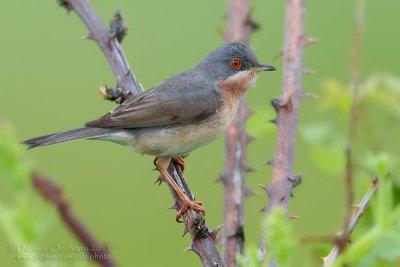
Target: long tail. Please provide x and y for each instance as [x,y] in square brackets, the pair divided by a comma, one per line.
[85,132]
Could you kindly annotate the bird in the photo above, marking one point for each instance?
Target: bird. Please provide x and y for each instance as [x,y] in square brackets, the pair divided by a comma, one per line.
[182,113]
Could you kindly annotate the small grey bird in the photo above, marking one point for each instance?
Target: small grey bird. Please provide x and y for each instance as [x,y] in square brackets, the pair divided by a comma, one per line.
[184,112]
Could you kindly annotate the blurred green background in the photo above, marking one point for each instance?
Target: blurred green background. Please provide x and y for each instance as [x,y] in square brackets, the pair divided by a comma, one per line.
[49,82]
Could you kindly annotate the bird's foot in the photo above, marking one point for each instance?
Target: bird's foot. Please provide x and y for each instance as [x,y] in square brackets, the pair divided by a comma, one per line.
[180,161]
[189,204]
[185,202]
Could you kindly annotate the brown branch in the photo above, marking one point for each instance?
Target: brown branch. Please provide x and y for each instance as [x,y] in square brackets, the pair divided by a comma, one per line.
[203,240]
[343,237]
[52,192]
[354,109]
[110,46]
[236,140]
[283,180]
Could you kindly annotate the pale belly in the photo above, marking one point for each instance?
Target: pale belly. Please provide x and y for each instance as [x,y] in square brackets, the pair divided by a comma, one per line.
[175,141]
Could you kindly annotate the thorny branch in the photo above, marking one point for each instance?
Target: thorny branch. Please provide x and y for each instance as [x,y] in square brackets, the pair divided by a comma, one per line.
[343,237]
[110,46]
[203,240]
[283,181]
[233,177]
[354,109]
[52,192]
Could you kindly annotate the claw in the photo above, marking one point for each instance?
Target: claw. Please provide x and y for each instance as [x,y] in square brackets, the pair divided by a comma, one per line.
[180,161]
[188,204]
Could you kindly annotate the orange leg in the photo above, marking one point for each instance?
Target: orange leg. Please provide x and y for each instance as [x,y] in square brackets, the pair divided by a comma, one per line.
[180,161]
[162,165]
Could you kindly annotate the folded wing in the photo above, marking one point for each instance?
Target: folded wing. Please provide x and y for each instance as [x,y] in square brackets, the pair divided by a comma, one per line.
[182,99]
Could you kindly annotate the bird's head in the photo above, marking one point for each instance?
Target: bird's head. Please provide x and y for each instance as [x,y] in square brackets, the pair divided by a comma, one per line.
[234,66]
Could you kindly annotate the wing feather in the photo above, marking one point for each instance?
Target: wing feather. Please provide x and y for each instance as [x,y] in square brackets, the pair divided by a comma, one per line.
[184,98]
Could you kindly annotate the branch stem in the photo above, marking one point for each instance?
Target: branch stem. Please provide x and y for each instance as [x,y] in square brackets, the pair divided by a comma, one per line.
[203,241]
[354,108]
[283,181]
[52,192]
[343,237]
[233,177]
[110,46]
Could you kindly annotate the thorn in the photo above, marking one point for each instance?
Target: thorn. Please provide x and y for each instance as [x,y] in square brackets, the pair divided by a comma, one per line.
[189,248]
[250,111]
[307,95]
[254,25]
[276,104]
[248,192]
[247,138]
[221,178]
[247,168]
[295,179]
[292,217]
[308,40]
[214,232]
[263,209]
[264,187]
[159,180]
[270,162]
[174,206]
[104,91]
[221,33]
[375,182]
[88,36]
[274,121]
[284,102]
[218,180]
[65,4]
[185,231]
[118,30]
[308,72]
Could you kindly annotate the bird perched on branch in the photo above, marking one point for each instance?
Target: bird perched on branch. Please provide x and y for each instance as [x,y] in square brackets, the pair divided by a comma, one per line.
[186,111]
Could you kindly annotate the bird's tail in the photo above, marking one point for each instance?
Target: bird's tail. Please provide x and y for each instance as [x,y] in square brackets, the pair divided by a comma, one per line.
[85,133]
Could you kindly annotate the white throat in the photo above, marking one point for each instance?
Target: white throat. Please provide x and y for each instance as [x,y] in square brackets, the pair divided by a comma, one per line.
[245,79]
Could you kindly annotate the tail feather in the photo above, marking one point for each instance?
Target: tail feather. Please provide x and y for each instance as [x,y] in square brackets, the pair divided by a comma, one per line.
[85,132]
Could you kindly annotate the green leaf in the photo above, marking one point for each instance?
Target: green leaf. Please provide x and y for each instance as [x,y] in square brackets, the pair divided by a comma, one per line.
[279,237]
[388,246]
[249,258]
[326,146]
[11,159]
[336,97]
[378,164]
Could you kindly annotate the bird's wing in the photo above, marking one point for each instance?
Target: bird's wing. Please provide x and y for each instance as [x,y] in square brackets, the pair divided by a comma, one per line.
[178,100]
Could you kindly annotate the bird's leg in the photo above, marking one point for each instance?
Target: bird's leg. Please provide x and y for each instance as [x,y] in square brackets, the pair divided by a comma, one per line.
[180,161]
[162,165]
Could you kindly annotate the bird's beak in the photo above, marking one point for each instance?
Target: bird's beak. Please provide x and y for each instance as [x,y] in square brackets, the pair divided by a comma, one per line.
[263,67]
[267,68]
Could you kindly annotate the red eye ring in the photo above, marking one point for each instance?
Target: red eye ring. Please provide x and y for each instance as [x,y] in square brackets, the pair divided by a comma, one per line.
[236,63]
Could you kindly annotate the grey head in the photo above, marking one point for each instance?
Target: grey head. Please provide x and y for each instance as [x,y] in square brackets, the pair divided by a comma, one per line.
[229,59]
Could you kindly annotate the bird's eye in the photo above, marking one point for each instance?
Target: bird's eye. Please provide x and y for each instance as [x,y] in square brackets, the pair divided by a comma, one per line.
[236,63]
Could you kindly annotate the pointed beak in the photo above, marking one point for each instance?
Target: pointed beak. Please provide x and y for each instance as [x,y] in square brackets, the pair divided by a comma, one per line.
[263,67]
